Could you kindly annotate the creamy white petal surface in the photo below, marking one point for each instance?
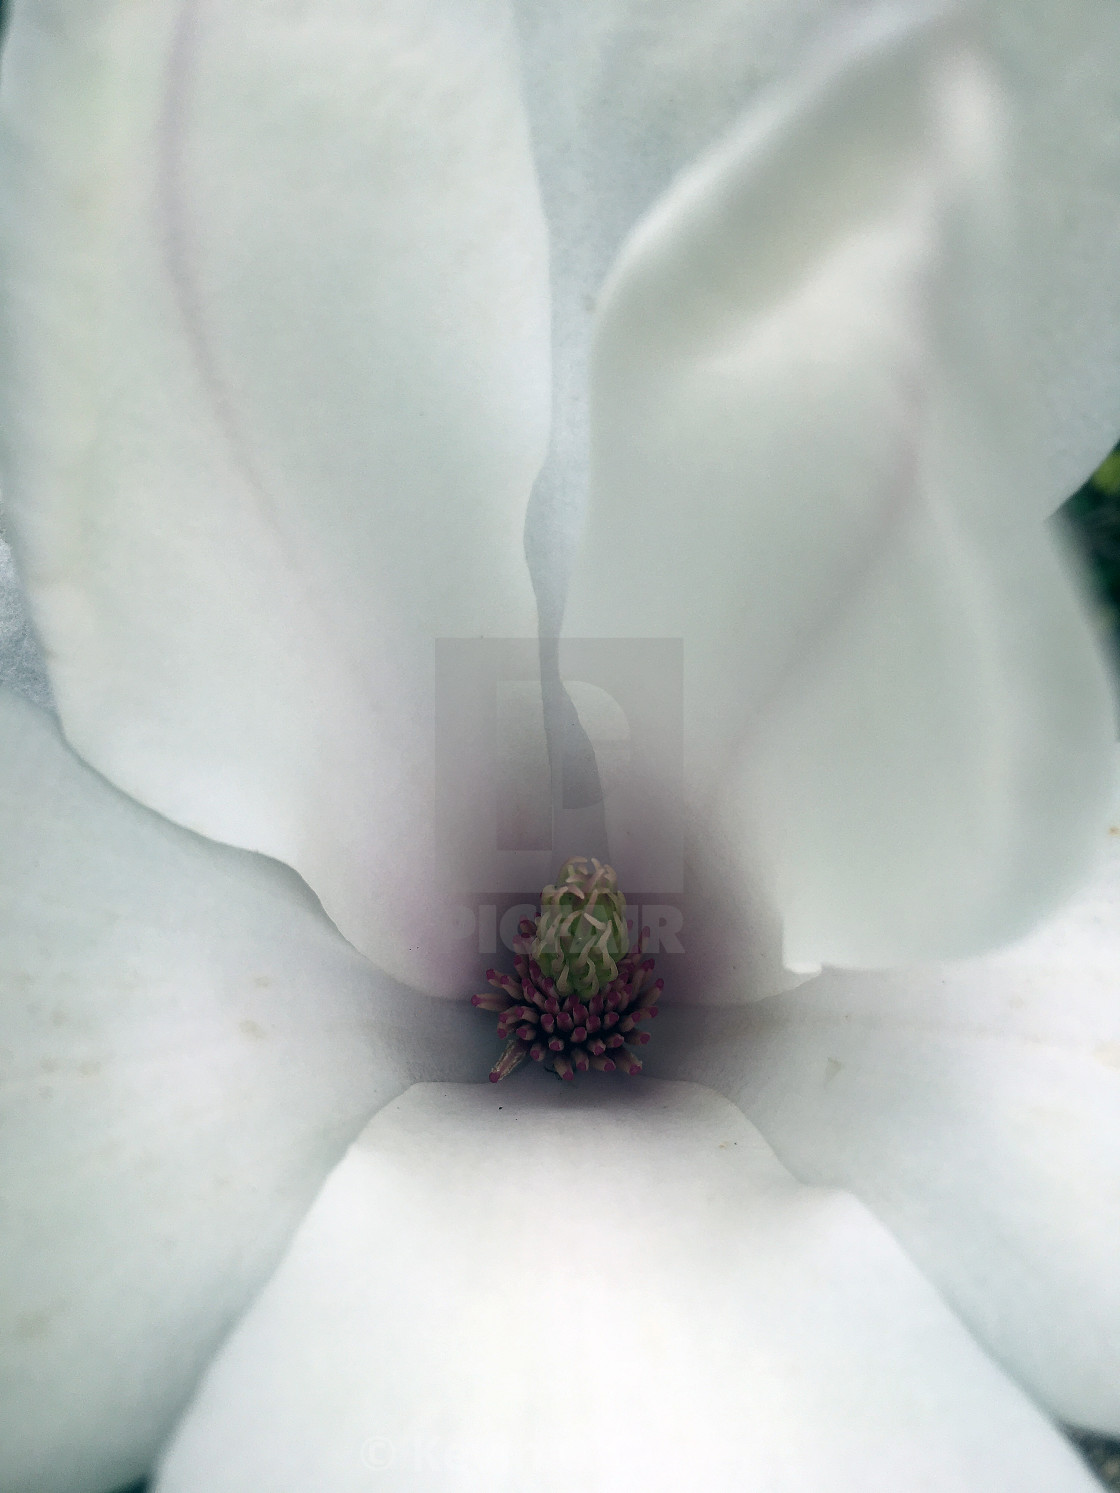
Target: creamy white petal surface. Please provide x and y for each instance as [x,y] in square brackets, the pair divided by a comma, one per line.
[809,440]
[1060,66]
[613,1288]
[935,778]
[274,389]
[622,95]
[625,94]
[975,1109]
[186,1047]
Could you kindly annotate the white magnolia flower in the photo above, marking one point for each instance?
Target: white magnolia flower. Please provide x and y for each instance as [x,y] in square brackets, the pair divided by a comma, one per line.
[301,300]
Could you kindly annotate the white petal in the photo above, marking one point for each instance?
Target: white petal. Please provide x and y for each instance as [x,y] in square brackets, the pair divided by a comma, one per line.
[622,95]
[616,1288]
[810,435]
[976,1109]
[762,355]
[186,1047]
[933,780]
[274,392]
[625,94]
[1062,71]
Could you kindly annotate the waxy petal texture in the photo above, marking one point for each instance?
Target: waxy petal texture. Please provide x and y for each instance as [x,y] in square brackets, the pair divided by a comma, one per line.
[935,778]
[274,389]
[975,1109]
[626,94]
[622,95]
[186,1047]
[613,1290]
[810,443]
[1060,67]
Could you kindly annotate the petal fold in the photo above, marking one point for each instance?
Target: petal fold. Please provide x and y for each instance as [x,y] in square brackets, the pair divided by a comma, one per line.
[186,1047]
[934,780]
[274,390]
[813,459]
[975,1109]
[612,1289]
[1062,75]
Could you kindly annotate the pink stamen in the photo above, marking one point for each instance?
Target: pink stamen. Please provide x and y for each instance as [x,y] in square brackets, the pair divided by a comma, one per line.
[489,1002]
[513,1055]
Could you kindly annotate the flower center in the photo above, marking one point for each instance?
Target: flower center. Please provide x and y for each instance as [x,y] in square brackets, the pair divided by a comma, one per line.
[579,992]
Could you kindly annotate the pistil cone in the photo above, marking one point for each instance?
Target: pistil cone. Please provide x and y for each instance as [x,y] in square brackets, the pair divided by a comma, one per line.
[578,995]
